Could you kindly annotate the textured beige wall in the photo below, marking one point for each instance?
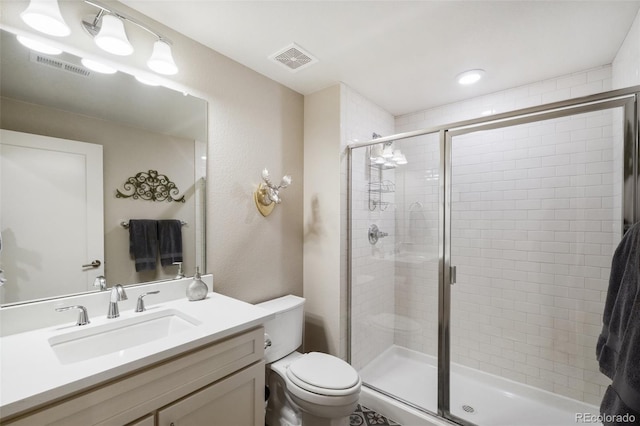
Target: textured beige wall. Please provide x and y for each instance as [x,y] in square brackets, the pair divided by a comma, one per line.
[322,220]
[254,123]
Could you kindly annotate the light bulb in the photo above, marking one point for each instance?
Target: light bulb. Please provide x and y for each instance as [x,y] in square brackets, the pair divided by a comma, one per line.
[161,60]
[97,66]
[45,16]
[38,46]
[387,152]
[112,37]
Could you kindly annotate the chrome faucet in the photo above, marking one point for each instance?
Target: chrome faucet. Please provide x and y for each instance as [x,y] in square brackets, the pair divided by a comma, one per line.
[117,294]
[100,282]
[140,305]
[83,316]
[180,274]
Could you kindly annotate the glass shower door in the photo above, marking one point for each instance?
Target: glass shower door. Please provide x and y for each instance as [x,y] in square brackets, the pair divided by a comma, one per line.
[536,213]
[395,187]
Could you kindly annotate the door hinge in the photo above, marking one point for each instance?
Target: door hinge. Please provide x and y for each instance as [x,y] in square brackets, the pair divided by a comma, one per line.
[452,275]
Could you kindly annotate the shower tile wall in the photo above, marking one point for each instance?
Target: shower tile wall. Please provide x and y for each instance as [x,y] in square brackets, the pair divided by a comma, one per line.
[417,224]
[372,274]
[550,341]
[533,232]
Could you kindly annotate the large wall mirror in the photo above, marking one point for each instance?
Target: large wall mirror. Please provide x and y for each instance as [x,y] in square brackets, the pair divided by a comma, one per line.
[70,139]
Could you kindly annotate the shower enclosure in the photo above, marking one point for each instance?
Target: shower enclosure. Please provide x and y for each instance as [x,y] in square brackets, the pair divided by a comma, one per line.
[479,259]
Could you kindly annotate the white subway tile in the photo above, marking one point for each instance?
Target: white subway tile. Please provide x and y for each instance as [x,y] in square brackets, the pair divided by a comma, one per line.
[533,230]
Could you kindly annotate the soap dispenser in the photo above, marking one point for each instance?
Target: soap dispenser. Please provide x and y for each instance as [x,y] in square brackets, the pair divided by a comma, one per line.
[197,289]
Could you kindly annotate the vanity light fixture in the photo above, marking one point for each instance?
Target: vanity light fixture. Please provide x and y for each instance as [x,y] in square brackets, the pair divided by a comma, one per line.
[399,158]
[161,60]
[112,36]
[387,152]
[108,30]
[45,16]
[267,195]
[470,77]
[38,46]
[146,81]
[98,66]
[383,154]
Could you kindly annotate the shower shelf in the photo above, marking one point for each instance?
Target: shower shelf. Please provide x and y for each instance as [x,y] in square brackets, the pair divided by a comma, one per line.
[376,189]
[386,186]
[377,185]
[382,205]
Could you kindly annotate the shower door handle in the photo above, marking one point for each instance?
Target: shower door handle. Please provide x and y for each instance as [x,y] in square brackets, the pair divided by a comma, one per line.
[452,275]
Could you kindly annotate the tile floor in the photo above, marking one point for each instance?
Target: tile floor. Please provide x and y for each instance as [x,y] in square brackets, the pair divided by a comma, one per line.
[366,417]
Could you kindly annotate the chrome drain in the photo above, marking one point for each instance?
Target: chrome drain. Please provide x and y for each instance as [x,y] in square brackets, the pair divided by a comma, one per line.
[469,409]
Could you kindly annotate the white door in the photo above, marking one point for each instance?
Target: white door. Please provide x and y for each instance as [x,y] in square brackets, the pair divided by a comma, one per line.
[51,215]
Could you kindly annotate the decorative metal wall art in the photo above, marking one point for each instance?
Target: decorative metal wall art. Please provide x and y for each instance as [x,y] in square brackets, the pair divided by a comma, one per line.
[150,186]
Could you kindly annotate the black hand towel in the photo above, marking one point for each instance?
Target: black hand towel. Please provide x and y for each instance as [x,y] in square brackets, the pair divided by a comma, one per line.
[170,240]
[143,243]
[618,347]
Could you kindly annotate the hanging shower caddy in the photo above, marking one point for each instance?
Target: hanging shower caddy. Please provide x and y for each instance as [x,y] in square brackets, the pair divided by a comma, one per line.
[378,188]
[380,159]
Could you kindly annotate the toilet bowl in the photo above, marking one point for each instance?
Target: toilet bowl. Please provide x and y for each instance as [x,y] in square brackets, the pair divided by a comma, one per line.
[313,389]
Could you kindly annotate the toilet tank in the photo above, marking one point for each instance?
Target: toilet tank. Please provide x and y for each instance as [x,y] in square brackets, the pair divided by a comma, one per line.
[285,330]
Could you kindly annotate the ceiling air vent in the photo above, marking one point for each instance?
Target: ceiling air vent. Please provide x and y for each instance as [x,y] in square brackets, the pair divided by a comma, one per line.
[293,57]
[61,65]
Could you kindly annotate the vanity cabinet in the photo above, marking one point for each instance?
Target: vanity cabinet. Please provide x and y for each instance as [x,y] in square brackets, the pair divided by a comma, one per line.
[149,420]
[228,402]
[221,383]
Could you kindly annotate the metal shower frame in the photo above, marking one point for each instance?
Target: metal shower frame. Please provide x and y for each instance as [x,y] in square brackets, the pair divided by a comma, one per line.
[627,98]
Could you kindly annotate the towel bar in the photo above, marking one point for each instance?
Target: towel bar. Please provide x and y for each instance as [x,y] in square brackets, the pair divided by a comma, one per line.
[125,224]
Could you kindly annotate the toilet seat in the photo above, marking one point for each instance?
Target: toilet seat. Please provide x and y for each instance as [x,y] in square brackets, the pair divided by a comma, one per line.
[323,374]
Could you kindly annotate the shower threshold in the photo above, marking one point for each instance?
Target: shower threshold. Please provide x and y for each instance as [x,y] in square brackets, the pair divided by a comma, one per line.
[482,398]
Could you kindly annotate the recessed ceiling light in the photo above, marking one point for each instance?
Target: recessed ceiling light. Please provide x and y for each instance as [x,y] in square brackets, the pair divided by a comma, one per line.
[470,77]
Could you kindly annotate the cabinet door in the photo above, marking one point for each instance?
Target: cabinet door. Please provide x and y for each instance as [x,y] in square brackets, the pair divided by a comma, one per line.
[147,421]
[237,400]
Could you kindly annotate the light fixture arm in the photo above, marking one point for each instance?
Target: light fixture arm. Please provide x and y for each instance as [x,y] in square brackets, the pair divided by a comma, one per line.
[96,20]
[93,28]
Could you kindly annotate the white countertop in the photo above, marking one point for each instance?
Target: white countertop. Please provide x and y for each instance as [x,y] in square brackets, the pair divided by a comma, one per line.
[32,375]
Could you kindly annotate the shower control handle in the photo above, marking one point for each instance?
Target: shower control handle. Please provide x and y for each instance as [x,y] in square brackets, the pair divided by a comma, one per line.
[375,234]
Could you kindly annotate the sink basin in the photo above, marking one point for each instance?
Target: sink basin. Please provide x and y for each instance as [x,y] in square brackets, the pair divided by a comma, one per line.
[119,335]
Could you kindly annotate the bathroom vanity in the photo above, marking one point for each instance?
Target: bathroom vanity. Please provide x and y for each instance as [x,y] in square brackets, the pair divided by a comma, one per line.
[177,363]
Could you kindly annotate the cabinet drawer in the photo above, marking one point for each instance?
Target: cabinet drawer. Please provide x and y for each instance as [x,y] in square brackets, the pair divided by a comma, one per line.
[147,421]
[236,400]
[128,398]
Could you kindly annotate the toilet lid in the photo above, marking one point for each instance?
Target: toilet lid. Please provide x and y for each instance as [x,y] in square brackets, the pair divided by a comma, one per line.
[322,371]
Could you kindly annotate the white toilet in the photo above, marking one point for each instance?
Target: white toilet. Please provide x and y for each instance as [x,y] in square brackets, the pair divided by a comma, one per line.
[312,389]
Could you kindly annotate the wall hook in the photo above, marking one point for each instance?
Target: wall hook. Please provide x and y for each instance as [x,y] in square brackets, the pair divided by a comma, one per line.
[268,194]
